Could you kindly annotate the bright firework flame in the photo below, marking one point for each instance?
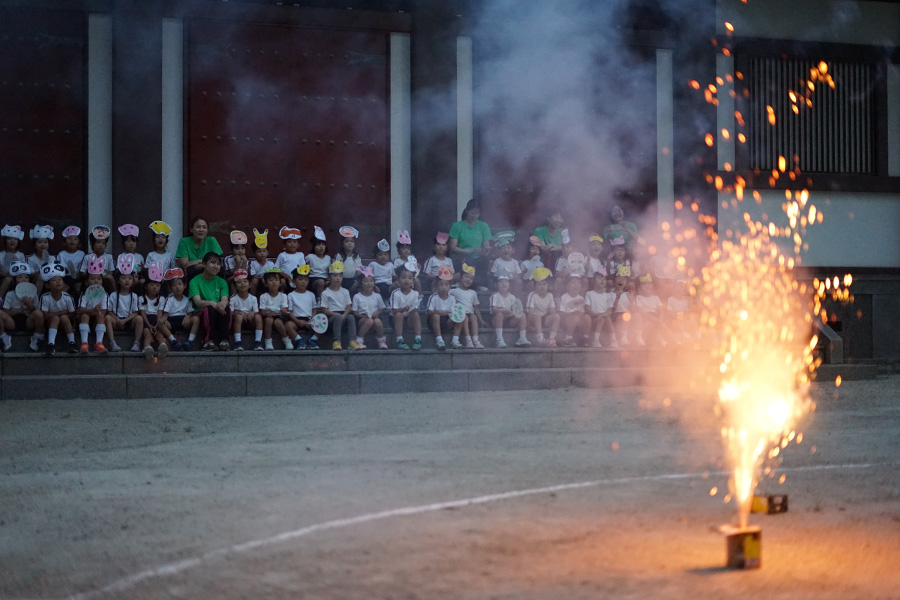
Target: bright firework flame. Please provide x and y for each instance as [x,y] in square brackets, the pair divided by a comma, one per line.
[759,317]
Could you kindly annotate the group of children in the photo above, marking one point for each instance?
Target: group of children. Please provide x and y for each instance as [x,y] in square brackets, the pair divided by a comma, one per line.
[298,297]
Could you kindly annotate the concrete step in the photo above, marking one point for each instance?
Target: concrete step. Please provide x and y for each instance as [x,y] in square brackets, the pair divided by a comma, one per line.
[229,374]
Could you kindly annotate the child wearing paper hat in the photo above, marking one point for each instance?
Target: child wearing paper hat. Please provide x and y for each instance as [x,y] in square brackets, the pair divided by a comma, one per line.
[160,253]
[71,256]
[467,297]
[404,255]
[99,237]
[57,307]
[540,308]
[291,257]
[350,257]
[129,234]
[237,260]
[336,305]
[41,234]
[437,260]
[12,235]
[21,313]
[318,262]
[383,268]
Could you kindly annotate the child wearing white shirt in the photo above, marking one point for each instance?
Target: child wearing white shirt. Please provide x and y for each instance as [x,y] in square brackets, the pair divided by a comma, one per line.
[540,308]
[245,310]
[335,303]
[465,295]
[599,305]
[367,307]
[273,306]
[301,309]
[502,304]
[405,305]
[622,305]
[440,305]
[571,308]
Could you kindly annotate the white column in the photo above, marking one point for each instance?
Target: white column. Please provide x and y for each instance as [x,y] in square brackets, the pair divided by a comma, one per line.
[665,138]
[725,112]
[99,137]
[893,124]
[401,135]
[173,125]
[465,161]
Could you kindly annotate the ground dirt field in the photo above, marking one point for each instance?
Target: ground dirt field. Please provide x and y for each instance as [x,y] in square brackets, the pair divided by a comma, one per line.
[436,496]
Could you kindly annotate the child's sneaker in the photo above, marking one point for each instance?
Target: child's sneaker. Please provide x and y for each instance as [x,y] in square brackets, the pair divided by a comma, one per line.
[35,345]
[258,345]
[163,350]
[5,343]
[441,346]
[354,345]
[311,344]
[417,345]
[238,347]
[523,343]
[136,346]
[73,348]
[269,345]
[114,347]
[625,341]
[299,343]
[224,346]
[186,346]
[84,348]
[336,346]
[501,344]
[478,344]
[569,343]
[469,345]
[209,346]
[51,349]
[99,348]
[382,345]
[148,353]
[402,345]
[456,345]
[596,344]
[614,343]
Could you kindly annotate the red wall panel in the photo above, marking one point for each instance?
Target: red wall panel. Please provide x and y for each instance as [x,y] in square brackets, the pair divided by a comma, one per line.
[288,126]
[42,118]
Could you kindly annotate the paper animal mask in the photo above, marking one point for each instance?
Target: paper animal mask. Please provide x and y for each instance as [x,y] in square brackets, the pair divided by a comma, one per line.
[41,232]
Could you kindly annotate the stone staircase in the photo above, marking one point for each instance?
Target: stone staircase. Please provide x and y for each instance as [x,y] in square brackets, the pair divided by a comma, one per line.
[26,375]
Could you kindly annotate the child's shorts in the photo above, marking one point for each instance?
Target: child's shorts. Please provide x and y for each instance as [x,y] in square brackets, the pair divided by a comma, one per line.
[21,321]
[445,323]
[152,320]
[281,318]
[176,323]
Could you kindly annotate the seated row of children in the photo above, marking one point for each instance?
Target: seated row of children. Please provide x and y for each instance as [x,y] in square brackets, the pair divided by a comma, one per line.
[540,314]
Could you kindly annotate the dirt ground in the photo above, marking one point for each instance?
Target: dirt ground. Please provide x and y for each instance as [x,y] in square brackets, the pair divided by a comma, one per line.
[520,495]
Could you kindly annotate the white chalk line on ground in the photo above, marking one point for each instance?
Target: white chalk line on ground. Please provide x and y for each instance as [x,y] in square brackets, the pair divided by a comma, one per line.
[180,566]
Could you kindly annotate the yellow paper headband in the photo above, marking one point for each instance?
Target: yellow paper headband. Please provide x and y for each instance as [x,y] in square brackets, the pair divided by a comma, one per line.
[467,269]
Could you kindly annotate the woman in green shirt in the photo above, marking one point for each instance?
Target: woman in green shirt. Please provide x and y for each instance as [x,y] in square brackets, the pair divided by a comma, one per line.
[470,242]
[551,237]
[192,248]
[619,227]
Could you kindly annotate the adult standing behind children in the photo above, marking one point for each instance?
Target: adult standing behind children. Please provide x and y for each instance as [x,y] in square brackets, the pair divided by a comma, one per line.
[551,237]
[618,227]
[470,241]
[192,248]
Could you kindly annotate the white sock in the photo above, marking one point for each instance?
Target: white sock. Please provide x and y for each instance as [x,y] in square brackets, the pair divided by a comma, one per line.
[596,336]
[70,336]
[439,339]
[499,332]
[171,338]
[540,337]
[468,338]
[85,330]
[38,336]
[523,335]
[553,336]
[237,338]
[399,338]
[100,331]
[192,337]
[51,336]
[359,340]
[258,335]
[4,336]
